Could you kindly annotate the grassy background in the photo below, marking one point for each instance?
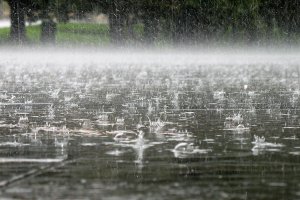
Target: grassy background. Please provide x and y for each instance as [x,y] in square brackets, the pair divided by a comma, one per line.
[98,35]
[67,33]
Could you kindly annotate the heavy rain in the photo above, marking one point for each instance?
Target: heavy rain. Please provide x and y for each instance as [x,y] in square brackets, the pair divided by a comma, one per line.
[149,99]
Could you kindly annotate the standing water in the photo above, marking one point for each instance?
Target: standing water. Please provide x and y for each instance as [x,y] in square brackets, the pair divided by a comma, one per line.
[149,125]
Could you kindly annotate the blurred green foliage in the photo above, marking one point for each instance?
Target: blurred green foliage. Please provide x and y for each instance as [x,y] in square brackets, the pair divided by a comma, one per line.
[178,21]
[69,33]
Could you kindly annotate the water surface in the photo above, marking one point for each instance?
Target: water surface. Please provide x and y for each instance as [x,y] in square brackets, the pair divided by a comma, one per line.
[176,126]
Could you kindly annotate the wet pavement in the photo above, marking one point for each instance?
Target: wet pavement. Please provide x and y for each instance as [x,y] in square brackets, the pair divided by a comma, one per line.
[117,131]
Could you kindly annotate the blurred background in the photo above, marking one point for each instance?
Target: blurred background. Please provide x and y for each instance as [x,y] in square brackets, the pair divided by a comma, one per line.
[150,22]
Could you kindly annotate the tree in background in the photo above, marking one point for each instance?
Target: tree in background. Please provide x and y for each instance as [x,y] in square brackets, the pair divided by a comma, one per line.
[281,16]
[17,15]
[117,15]
[122,15]
[47,15]
[177,21]
[150,14]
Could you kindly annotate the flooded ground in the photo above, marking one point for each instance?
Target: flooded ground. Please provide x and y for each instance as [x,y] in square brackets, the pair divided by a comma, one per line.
[149,127]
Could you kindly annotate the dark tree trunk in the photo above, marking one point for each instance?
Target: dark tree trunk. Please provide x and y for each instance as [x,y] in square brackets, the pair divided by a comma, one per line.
[187,26]
[151,22]
[131,21]
[269,28]
[269,10]
[63,15]
[48,31]
[116,24]
[48,27]
[291,13]
[1,8]
[17,15]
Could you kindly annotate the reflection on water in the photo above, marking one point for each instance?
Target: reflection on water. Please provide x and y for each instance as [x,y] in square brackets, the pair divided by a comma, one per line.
[150,132]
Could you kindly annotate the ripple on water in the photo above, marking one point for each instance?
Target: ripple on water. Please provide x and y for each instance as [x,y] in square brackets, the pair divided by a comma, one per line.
[13,144]
[18,190]
[273,150]
[88,144]
[295,153]
[31,160]
[184,150]
[116,152]
[261,147]
[209,140]
[290,138]
[277,184]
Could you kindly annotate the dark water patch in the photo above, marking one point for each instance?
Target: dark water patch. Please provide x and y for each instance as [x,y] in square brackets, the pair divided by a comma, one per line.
[149,132]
